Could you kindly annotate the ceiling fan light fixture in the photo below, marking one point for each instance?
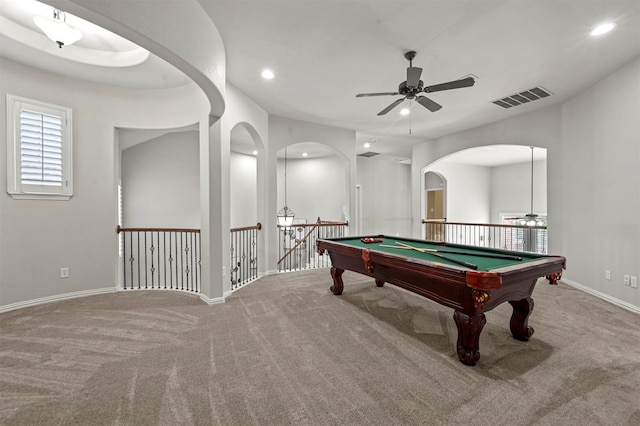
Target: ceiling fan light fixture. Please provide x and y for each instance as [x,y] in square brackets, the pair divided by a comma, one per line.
[57,29]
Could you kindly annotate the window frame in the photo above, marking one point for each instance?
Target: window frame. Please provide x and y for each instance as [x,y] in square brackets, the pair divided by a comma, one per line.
[15,187]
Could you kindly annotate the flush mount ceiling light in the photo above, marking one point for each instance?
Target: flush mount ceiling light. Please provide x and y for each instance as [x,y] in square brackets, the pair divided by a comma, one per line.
[57,29]
[602,29]
[267,74]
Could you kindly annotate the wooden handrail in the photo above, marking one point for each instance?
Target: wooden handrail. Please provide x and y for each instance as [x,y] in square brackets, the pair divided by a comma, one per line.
[303,239]
[258,226]
[121,229]
[314,226]
[489,225]
[317,224]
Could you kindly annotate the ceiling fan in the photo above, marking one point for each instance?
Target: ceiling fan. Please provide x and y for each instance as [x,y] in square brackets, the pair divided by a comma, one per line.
[413,86]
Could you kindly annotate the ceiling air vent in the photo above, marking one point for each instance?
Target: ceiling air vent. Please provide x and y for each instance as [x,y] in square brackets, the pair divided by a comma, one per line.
[523,97]
[368,154]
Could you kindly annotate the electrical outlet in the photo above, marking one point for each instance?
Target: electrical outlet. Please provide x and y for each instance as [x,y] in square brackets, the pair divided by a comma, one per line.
[627,279]
[607,274]
[64,272]
[634,282]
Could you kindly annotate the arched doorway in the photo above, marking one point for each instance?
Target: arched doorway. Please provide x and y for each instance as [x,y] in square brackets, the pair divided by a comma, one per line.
[313,183]
[435,207]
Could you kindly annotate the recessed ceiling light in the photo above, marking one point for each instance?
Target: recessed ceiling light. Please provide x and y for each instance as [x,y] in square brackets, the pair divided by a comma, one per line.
[602,29]
[255,152]
[267,74]
[404,111]
[367,145]
[304,154]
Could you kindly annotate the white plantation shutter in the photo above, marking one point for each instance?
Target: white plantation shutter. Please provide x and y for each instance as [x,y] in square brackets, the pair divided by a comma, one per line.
[39,147]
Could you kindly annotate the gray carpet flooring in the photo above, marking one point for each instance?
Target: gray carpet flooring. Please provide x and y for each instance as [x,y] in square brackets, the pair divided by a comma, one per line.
[285,351]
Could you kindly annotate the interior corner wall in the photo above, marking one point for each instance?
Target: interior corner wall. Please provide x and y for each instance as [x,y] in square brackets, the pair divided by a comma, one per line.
[161,182]
[38,237]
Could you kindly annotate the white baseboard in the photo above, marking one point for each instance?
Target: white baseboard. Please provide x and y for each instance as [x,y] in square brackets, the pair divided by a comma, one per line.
[606,297]
[213,301]
[55,298]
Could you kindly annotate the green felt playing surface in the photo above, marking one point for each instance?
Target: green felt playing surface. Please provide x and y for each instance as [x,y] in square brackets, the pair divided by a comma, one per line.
[483,263]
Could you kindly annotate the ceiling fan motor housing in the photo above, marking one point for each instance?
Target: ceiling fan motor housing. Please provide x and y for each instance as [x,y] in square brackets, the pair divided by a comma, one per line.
[408,91]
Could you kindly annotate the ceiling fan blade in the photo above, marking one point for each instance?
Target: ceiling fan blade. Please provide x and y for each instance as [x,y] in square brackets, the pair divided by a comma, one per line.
[413,76]
[362,95]
[455,84]
[428,103]
[392,106]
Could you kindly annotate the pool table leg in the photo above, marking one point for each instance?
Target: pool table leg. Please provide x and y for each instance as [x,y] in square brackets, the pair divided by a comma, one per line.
[520,317]
[338,285]
[469,328]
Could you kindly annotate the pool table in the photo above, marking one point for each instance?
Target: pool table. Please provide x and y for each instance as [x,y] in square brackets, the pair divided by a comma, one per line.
[471,280]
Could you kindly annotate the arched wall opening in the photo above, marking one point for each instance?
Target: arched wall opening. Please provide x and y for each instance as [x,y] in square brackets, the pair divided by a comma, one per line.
[486,183]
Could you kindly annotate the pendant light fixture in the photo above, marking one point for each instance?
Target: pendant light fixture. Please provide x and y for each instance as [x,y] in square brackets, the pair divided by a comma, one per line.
[531,219]
[285,215]
[57,29]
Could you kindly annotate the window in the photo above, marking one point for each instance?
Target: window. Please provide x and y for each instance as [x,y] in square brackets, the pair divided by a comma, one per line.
[39,154]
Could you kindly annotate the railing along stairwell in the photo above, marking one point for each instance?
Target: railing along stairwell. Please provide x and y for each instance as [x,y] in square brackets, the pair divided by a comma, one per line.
[297,244]
[244,255]
[160,258]
[526,238]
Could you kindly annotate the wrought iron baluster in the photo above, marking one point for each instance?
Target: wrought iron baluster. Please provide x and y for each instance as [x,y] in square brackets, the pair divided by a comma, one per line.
[124,258]
[152,249]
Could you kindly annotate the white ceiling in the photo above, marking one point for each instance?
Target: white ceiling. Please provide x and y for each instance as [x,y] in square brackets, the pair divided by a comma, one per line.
[323,53]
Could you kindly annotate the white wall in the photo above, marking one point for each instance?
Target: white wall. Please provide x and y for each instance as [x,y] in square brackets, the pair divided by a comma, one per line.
[600,181]
[511,189]
[161,182]
[386,197]
[37,238]
[243,192]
